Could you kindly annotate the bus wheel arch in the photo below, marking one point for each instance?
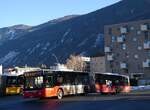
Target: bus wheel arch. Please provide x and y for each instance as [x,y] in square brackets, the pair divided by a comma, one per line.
[60,93]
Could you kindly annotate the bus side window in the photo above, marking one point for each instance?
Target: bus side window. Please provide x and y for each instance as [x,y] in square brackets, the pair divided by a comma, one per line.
[68,79]
[20,80]
[59,80]
[85,80]
[49,81]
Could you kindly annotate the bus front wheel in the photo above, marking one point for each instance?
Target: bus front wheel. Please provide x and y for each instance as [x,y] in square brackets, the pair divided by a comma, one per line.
[60,94]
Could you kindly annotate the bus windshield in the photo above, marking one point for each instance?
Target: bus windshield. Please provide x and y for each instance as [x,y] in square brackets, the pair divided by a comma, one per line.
[33,82]
[38,82]
[11,80]
[116,80]
[48,81]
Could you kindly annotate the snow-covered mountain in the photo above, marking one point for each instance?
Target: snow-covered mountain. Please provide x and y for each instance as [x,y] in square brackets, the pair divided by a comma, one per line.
[75,35]
[13,32]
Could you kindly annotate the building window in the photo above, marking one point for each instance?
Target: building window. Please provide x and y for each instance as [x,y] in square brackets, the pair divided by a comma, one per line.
[136,56]
[132,28]
[124,30]
[124,46]
[111,65]
[117,55]
[146,35]
[127,55]
[126,70]
[139,66]
[149,53]
[117,63]
[139,48]
[110,31]
[113,38]
[134,39]
[138,32]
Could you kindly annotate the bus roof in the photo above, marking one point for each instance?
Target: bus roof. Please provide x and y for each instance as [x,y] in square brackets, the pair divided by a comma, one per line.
[114,74]
[9,75]
[53,71]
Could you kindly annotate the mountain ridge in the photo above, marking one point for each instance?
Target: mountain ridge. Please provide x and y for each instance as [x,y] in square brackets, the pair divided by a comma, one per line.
[78,35]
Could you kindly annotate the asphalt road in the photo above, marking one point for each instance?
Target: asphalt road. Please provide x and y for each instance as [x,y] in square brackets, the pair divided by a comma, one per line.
[90,102]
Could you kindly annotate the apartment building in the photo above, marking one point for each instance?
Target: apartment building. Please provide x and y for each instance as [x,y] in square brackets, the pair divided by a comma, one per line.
[127,48]
[97,64]
[1,69]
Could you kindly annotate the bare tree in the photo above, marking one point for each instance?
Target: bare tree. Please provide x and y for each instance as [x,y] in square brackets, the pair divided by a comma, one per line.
[76,63]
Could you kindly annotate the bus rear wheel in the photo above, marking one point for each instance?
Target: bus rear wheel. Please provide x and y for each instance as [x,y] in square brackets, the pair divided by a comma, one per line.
[60,94]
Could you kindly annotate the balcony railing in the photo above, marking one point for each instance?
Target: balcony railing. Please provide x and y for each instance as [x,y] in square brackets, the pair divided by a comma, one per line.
[108,49]
[144,27]
[121,39]
[110,57]
[146,64]
[123,30]
[147,45]
[123,65]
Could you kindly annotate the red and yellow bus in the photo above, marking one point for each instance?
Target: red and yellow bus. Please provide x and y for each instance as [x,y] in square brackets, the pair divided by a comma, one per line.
[11,84]
[111,83]
[47,83]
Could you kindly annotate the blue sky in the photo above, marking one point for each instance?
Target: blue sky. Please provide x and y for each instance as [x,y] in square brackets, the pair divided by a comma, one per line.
[34,12]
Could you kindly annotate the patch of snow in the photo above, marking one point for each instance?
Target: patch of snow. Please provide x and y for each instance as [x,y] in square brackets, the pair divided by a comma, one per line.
[83,53]
[15,59]
[132,11]
[140,88]
[83,42]
[42,53]
[38,45]
[31,50]
[65,34]
[99,41]
[0,36]
[31,30]
[46,46]
[54,46]
[8,57]
[11,32]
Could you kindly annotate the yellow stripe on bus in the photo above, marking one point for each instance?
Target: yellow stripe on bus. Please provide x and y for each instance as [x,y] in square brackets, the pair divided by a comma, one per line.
[13,90]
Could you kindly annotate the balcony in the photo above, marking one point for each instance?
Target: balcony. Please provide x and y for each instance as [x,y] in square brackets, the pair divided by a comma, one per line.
[123,65]
[144,27]
[121,39]
[146,64]
[110,57]
[107,49]
[147,45]
[123,30]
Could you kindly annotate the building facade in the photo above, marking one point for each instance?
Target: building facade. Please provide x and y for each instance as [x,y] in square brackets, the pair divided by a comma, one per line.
[97,64]
[1,69]
[127,48]
[18,70]
[86,60]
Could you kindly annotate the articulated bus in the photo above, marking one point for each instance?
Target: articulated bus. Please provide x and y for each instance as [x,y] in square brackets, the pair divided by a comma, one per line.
[111,83]
[48,83]
[10,85]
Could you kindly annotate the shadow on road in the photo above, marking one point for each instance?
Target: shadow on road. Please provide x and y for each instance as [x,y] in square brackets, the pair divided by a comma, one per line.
[89,102]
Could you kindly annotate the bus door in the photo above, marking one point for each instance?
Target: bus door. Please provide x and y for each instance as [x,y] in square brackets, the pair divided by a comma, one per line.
[1,86]
[68,84]
[12,86]
[49,88]
[82,83]
[63,82]
[78,85]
